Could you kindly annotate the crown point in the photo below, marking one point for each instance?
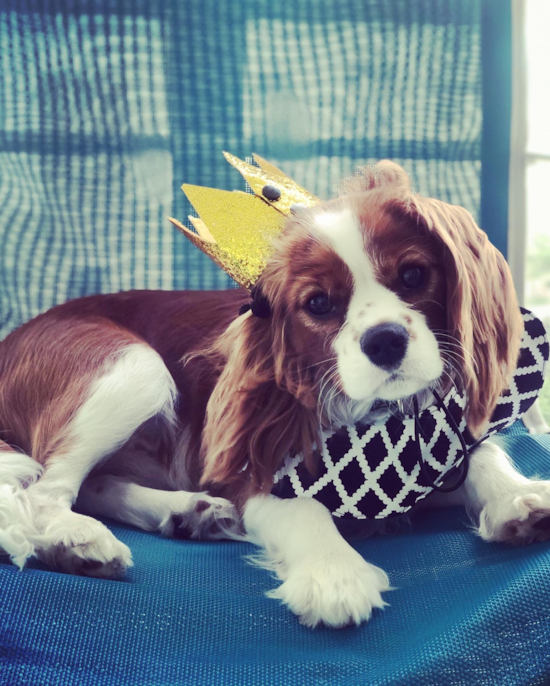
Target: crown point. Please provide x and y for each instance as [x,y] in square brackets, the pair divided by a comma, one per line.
[237,229]
[268,167]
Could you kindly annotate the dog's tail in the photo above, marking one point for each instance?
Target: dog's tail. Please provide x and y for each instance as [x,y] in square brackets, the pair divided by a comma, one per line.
[17,530]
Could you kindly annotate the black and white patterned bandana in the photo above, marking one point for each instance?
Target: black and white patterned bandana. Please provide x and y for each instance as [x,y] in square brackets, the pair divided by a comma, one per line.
[374,471]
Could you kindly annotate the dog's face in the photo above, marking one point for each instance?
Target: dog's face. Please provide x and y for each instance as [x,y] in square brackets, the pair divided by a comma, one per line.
[364,298]
[387,347]
[374,296]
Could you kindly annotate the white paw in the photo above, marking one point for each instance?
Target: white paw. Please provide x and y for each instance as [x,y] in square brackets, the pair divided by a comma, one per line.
[206,517]
[77,544]
[336,589]
[520,519]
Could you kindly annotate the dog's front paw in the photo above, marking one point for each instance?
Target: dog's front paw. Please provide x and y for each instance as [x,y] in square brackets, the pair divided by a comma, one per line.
[336,589]
[204,517]
[519,519]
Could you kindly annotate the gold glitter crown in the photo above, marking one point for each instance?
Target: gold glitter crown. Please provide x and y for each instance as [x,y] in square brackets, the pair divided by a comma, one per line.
[237,229]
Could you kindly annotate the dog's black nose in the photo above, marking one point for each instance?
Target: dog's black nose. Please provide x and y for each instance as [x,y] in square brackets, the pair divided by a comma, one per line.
[385,345]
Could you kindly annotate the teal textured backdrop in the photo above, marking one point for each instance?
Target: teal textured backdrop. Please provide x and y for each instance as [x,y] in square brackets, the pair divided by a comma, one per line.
[107,107]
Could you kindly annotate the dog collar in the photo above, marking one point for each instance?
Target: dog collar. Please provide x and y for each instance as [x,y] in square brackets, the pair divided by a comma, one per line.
[374,471]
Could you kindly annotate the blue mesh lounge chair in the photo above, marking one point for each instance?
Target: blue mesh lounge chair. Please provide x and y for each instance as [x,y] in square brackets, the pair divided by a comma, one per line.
[106,107]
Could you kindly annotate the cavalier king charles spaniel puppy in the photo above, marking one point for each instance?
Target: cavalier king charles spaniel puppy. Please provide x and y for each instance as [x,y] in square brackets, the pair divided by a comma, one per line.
[172,412]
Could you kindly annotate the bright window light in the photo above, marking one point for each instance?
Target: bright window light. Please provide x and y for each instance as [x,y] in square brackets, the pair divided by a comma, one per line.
[537,167]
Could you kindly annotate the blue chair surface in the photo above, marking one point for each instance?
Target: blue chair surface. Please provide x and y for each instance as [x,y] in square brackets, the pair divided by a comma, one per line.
[463,612]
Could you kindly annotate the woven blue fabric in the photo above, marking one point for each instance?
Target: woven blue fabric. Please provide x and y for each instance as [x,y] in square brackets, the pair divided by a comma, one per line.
[108,106]
[464,612]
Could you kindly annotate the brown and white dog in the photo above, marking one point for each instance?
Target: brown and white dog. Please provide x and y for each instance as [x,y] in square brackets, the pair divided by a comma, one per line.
[130,405]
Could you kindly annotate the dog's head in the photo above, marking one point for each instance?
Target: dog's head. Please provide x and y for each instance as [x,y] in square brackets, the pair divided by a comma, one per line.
[377,295]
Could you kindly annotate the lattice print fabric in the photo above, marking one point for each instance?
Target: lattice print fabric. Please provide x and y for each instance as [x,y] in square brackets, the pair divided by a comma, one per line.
[372,471]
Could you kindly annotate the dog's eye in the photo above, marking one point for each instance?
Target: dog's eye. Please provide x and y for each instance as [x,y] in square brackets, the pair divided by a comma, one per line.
[319,305]
[413,276]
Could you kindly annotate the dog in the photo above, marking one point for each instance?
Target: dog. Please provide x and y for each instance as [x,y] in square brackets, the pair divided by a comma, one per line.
[172,412]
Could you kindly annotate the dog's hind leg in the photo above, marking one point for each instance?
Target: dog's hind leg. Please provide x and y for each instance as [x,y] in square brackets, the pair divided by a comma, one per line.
[134,387]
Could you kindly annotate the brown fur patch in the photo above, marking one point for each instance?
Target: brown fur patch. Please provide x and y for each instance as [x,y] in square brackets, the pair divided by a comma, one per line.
[48,364]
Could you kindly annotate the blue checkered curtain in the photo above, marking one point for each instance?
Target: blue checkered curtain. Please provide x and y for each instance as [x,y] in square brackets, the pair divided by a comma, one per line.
[106,107]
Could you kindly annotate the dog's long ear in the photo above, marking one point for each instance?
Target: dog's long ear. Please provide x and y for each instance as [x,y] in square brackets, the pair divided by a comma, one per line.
[258,412]
[482,309]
